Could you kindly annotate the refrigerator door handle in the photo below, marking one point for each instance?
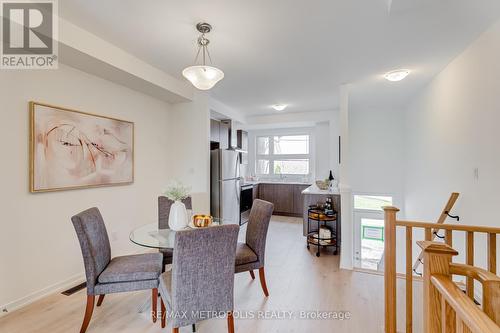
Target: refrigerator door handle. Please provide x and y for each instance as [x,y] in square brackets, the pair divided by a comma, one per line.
[238,196]
[237,166]
[238,191]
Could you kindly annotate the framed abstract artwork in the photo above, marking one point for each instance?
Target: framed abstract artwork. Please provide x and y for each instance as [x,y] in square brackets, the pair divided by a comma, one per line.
[72,149]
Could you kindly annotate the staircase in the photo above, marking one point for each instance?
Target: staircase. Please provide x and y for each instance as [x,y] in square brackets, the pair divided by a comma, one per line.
[447,309]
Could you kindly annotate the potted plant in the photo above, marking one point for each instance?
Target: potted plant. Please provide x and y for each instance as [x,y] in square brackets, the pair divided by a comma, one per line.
[178,217]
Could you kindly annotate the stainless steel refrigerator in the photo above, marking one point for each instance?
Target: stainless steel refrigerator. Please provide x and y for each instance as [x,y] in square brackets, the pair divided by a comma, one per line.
[225,185]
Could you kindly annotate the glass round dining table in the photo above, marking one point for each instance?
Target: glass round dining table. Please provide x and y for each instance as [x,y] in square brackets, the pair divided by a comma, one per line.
[149,235]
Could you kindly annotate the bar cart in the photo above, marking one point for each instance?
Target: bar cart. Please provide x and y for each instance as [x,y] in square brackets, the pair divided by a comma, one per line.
[315,238]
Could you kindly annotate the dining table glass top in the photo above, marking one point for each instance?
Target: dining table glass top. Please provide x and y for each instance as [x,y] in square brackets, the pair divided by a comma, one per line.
[149,235]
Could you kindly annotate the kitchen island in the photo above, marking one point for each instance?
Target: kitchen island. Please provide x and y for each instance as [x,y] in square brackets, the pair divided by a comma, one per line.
[313,195]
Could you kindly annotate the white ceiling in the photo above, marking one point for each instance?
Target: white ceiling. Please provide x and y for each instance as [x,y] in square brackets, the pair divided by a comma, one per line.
[295,52]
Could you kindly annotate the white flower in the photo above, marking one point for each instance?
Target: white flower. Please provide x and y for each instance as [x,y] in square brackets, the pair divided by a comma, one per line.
[177,191]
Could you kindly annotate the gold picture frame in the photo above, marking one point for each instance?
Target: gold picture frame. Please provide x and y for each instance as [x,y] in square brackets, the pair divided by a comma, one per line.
[78,153]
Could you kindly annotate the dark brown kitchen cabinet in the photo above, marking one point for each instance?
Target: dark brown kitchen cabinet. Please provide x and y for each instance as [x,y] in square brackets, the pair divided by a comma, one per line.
[287,198]
[214,130]
[298,199]
[242,140]
[283,198]
[255,193]
[224,135]
[242,144]
[266,192]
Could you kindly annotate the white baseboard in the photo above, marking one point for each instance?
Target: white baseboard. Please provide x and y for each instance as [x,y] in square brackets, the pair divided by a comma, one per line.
[55,288]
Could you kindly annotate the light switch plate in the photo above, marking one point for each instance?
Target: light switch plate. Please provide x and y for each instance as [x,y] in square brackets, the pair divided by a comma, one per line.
[476,174]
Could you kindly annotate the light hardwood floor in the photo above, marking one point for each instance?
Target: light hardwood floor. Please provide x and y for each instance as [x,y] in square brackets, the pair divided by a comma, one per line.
[297,280]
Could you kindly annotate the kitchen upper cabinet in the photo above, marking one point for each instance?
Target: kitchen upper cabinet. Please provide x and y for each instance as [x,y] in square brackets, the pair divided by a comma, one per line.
[224,135]
[242,143]
[242,140]
[219,132]
[214,130]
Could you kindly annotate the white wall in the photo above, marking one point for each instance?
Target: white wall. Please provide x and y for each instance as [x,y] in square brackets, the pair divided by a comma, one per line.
[226,111]
[81,49]
[39,250]
[452,128]
[376,152]
[189,147]
[377,159]
[326,150]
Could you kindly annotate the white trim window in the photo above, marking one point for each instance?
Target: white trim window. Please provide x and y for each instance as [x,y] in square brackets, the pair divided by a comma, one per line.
[283,155]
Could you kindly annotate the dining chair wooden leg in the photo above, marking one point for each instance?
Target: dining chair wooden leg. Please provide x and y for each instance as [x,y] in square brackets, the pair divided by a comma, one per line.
[99,301]
[262,277]
[163,314]
[88,313]
[154,300]
[175,330]
[230,323]
[252,275]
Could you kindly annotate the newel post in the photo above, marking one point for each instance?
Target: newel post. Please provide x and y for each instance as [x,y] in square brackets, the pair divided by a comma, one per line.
[390,268]
[437,260]
[491,300]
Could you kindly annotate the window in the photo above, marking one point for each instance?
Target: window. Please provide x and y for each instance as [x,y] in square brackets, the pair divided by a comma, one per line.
[263,145]
[282,155]
[291,144]
[371,202]
[263,167]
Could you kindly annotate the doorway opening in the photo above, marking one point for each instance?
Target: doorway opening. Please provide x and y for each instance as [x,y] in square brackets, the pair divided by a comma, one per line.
[369,230]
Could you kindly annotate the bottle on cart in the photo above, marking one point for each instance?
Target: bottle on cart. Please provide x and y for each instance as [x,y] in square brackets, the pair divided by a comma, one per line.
[332,183]
[328,206]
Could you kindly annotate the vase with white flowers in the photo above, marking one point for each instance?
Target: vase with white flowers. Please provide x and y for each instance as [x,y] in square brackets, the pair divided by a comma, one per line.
[178,217]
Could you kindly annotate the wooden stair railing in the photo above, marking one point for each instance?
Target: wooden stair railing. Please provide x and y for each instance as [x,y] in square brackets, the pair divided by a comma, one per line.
[471,273]
[446,308]
[442,218]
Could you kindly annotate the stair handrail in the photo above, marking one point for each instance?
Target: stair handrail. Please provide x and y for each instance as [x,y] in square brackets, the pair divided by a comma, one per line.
[446,308]
[390,274]
[445,213]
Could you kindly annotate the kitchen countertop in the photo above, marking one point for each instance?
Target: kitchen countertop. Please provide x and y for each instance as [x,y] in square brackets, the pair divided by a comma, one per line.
[257,182]
[313,189]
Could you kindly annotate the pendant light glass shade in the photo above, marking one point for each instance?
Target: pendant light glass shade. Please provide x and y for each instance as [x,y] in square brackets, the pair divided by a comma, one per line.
[203,77]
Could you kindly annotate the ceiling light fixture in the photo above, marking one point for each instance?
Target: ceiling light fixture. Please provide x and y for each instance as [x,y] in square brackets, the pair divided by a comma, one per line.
[202,76]
[279,107]
[397,75]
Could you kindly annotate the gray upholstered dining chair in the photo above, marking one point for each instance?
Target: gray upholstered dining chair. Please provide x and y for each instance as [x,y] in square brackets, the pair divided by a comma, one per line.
[201,282]
[251,254]
[164,205]
[105,275]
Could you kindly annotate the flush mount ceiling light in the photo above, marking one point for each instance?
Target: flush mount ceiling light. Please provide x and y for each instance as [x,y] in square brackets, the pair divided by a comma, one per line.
[202,76]
[279,107]
[397,75]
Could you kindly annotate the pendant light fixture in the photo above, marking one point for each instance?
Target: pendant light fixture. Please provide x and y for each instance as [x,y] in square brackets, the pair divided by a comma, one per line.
[202,76]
